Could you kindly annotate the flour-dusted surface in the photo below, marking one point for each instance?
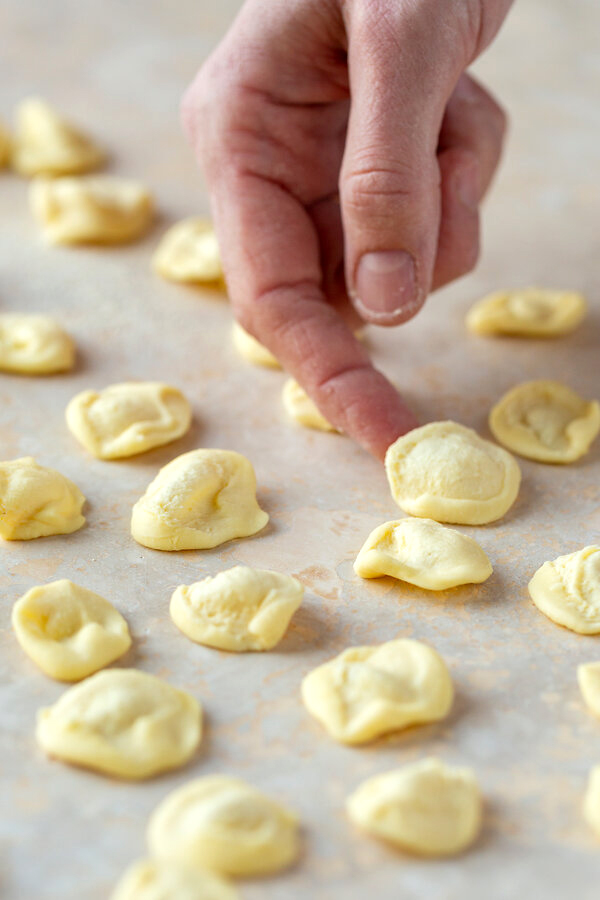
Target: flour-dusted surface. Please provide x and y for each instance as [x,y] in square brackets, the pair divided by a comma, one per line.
[519,720]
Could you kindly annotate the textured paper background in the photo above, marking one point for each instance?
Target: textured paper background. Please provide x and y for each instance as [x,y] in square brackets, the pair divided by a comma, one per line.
[119,68]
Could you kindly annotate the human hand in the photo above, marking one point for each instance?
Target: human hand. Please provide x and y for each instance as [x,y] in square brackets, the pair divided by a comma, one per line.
[346,153]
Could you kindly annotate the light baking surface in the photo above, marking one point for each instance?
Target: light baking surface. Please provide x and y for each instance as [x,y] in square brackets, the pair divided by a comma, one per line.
[519,720]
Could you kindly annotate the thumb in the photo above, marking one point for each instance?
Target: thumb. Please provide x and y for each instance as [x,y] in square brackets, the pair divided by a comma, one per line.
[403,66]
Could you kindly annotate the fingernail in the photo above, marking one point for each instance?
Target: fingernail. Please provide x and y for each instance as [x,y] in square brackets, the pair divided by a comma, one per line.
[386,285]
[466,186]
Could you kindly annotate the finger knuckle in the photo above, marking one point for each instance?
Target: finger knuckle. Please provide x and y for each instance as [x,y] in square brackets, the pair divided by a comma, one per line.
[376,188]
[271,309]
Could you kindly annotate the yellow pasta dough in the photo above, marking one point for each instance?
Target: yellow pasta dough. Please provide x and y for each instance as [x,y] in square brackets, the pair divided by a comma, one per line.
[225,824]
[446,472]
[68,631]
[36,501]
[588,676]
[189,252]
[152,879]
[567,590]
[239,609]
[424,553]
[96,209]
[426,808]
[199,500]
[46,144]
[545,421]
[5,146]
[130,418]
[251,349]
[369,691]
[591,802]
[302,409]
[122,722]
[528,312]
[34,345]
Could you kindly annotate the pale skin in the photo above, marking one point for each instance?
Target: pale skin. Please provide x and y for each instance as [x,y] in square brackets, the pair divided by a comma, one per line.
[346,153]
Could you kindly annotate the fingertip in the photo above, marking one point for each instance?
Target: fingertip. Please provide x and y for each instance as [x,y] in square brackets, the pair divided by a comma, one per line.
[401,423]
[364,405]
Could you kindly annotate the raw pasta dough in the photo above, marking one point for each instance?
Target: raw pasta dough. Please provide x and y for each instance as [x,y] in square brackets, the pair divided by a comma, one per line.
[239,609]
[130,418]
[302,409]
[546,421]
[426,808]
[251,349]
[97,209]
[68,631]
[591,803]
[151,879]
[530,312]
[189,252]
[36,501]
[368,691]
[122,722]
[567,590]
[424,553]
[446,472]
[199,500]
[588,676]
[34,345]
[46,144]
[225,824]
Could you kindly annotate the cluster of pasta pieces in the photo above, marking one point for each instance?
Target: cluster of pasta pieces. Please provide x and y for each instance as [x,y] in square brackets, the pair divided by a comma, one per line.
[129,724]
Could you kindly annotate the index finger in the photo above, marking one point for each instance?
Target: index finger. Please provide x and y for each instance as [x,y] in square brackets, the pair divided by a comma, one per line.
[272,261]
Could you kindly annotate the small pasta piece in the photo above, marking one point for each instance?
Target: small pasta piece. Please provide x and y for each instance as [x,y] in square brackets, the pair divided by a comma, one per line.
[46,144]
[126,419]
[95,209]
[527,312]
